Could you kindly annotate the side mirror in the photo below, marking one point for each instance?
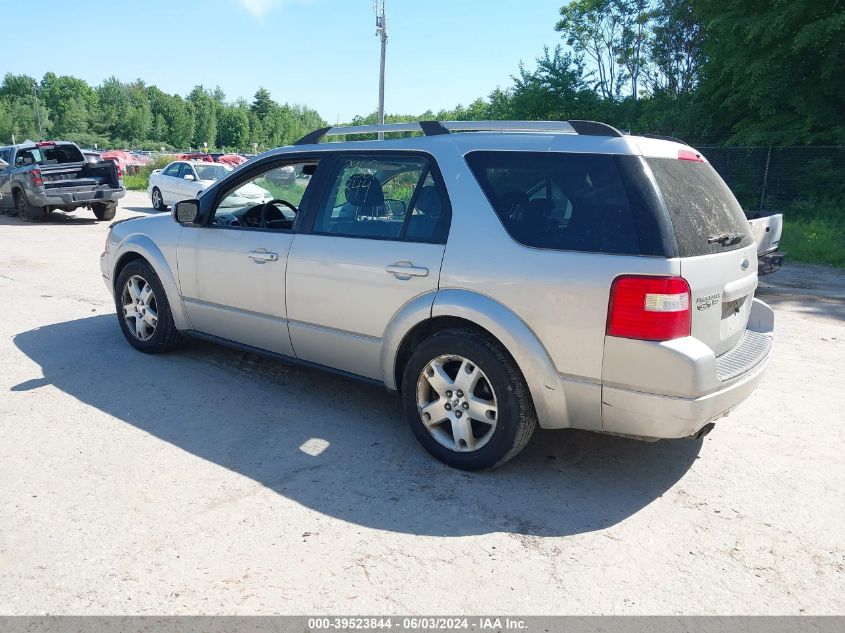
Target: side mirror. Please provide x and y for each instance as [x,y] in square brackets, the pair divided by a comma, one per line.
[189,177]
[186,212]
[3,164]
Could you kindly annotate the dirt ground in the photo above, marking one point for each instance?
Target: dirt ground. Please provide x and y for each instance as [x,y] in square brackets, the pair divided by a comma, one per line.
[213,481]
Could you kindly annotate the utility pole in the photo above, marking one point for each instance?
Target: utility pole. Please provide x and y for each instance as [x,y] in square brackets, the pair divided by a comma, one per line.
[381,32]
[37,111]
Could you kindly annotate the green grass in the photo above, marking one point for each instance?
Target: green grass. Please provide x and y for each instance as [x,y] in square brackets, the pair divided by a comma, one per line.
[136,182]
[816,240]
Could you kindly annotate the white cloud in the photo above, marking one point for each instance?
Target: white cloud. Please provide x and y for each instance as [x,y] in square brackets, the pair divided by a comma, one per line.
[260,8]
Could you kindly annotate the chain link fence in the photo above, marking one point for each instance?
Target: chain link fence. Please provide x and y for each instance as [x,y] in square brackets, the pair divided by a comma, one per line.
[802,180]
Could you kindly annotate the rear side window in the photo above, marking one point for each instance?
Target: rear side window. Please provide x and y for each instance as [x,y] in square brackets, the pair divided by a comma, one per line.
[561,201]
[706,215]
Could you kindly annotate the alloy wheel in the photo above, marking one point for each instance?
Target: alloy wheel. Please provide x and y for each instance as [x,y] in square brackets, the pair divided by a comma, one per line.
[456,403]
[140,309]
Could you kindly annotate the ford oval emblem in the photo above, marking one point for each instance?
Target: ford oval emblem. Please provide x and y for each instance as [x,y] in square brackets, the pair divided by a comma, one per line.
[744,264]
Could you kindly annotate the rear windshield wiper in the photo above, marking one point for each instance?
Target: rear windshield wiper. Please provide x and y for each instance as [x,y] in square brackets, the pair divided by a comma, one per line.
[726,239]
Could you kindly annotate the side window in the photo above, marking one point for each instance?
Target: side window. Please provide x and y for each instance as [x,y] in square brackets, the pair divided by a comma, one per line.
[187,170]
[561,201]
[269,199]
[172,170]
[383,197]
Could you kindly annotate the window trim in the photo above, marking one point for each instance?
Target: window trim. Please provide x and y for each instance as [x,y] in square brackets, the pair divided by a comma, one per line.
[431,168]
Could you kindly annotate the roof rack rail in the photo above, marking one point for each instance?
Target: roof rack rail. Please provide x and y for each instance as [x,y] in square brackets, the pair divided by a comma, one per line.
[435,128]
[661,137]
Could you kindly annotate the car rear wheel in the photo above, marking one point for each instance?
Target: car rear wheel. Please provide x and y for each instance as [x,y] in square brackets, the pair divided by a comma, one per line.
[26,211]
[104,211]
[143,311]
[158,200]
[466,400]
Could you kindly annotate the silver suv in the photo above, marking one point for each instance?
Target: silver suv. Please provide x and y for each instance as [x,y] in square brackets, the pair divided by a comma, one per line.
[498,275]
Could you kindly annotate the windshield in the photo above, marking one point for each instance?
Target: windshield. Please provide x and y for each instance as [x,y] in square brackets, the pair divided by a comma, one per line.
[211,172]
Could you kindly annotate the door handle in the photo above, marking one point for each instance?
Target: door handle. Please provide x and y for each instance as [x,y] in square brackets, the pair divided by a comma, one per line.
[406,270]
[260,255]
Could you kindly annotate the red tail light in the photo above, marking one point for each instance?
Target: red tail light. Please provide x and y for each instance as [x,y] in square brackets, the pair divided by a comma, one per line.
[649,308]
[118,170]
[687,154]
[37,180]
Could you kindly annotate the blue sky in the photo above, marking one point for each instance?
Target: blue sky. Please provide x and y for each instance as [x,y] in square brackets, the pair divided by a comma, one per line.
[322,53]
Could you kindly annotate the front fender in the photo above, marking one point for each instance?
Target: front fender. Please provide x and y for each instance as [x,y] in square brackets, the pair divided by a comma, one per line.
[146,248]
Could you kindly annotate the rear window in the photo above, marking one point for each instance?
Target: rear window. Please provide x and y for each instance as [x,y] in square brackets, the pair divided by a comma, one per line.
[561,201]
[706,215]
[49,155]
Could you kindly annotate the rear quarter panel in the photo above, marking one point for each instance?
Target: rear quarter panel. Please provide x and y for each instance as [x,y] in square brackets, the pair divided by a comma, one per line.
[562,297]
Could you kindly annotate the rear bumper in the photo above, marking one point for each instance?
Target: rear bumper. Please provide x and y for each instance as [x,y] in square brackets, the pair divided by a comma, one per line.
[733,377]
[55,198]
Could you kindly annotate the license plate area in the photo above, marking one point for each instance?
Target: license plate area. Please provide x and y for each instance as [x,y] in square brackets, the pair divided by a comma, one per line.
[732,308]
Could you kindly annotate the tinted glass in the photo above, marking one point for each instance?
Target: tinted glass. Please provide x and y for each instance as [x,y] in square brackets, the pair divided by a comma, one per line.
[384,197]
[173,170]
[571,202]
[701,207]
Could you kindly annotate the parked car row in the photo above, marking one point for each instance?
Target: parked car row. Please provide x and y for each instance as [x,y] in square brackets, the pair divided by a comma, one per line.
[526,274]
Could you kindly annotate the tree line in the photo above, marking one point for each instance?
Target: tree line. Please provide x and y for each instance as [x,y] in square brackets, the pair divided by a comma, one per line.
[757,72]
[140,116]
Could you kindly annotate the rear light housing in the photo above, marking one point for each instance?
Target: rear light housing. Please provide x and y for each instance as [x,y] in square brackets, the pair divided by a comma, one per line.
[118,170]
[649,308]
[37,180]
[45,144]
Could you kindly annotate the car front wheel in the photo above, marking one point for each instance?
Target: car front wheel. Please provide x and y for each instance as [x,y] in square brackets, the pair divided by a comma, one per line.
[466,400]
[143,311]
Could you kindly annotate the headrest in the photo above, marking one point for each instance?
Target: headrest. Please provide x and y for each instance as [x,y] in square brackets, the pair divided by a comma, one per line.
[363,190]
[540,207]
[429,200]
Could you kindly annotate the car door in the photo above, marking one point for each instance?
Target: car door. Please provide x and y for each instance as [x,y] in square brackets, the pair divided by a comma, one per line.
[373,243]
[232,269]
[169,182]
[188,186]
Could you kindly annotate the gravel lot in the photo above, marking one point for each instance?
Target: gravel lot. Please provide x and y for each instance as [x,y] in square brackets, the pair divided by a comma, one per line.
[213,481]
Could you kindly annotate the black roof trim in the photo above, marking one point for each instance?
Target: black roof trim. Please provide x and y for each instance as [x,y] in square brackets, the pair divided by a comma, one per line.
[594,128]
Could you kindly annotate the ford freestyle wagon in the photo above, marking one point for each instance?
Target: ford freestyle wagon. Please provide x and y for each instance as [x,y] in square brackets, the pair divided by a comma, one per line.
[497,275]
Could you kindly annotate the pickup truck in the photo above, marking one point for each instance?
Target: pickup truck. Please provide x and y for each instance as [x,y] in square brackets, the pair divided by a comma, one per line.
[36,178]
[766,229]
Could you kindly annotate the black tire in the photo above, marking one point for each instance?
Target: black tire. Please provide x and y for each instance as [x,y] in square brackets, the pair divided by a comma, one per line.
[26,211]
[165,336]
[104,211]
[516,419]
[158,200]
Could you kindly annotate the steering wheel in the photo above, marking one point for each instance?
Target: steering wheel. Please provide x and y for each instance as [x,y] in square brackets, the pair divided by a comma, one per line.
[265,211]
